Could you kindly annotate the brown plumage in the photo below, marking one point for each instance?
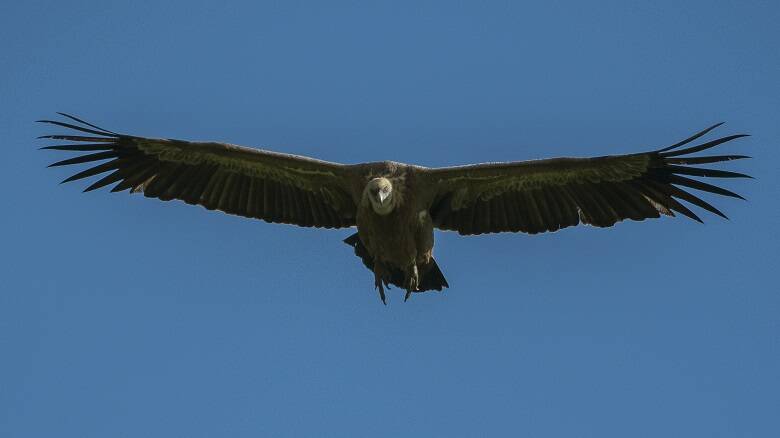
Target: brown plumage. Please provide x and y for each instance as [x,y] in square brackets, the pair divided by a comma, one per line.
[396,206]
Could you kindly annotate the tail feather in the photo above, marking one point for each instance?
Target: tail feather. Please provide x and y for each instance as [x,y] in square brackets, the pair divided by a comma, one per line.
[431,277]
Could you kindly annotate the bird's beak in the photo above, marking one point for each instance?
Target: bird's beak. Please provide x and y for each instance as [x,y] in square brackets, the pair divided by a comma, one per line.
[382,197]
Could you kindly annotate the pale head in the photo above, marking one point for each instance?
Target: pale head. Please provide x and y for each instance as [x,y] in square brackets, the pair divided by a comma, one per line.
[379,192]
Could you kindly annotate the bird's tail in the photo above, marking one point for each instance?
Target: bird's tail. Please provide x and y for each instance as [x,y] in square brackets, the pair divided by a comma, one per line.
[431,277]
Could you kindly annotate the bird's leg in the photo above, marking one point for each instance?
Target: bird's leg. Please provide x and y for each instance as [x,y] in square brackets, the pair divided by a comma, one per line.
[412,280]
[378,274]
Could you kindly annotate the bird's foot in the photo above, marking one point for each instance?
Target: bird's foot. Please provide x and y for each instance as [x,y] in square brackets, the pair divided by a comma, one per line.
[412,282]
[378,285]
[379,281]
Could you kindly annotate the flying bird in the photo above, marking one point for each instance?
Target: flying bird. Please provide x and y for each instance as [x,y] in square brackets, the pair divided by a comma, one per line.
[397,206]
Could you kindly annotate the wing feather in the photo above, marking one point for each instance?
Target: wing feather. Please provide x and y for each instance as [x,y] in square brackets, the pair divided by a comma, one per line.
[546,195]
[249,182]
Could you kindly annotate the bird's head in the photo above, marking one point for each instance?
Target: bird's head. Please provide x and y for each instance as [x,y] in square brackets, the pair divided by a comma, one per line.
[379,192]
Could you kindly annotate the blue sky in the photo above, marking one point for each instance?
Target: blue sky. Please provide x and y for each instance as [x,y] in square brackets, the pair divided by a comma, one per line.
[123,316]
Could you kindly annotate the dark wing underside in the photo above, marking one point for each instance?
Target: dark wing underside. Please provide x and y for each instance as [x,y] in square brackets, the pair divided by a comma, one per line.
[547,195]
[243,181]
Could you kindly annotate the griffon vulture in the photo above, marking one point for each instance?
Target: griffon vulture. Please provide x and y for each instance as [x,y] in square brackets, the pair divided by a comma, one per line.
[396,206]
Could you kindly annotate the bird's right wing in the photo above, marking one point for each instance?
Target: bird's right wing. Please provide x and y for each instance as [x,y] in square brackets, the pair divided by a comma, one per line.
[547,195]
[244,181]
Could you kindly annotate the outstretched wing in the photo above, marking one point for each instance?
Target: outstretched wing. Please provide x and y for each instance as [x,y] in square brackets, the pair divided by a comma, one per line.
[547,195]
[248,182]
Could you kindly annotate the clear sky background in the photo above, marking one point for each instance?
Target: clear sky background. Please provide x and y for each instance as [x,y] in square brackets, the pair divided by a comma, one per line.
[123,316]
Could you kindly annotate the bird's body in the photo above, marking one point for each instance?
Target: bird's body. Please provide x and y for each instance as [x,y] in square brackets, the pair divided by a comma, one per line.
[396,206]
[400,239]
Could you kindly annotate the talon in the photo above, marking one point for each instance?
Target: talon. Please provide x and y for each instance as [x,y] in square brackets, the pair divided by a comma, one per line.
[412,282]
[378,286]
[378,280]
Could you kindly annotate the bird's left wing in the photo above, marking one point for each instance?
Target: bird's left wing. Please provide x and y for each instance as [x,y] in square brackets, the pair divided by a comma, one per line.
[244,181]
[547,195]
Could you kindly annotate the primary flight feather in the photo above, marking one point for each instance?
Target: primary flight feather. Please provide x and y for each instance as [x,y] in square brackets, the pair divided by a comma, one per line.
[396,206]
